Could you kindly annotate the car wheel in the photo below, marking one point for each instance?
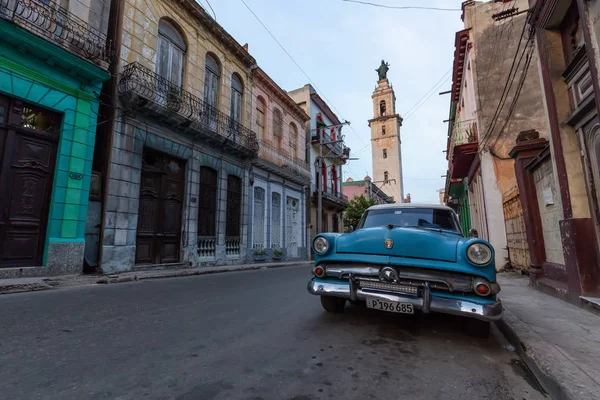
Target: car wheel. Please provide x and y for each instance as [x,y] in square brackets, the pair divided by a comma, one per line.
[333,304]
[478,328]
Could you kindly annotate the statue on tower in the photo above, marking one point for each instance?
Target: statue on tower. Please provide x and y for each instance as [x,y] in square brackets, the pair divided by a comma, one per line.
[382,70]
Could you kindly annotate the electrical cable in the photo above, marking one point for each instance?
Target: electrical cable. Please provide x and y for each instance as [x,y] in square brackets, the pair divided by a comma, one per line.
[402,7]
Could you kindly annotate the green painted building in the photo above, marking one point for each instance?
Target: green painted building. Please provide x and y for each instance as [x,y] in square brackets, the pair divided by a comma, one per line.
[53,62]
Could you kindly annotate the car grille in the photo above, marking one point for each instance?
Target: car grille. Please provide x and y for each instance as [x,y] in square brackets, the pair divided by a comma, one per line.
[409,278]
[388,287]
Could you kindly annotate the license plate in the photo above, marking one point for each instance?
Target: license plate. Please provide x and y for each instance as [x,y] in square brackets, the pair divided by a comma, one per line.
[392,306]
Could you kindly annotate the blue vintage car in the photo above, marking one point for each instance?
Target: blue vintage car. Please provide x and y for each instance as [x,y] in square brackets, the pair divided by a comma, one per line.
[407,257]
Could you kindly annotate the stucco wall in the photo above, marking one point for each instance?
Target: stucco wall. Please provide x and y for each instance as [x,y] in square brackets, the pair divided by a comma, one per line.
[291,239]
[37,82]
[570,143]
[140,39]
[354,191]
[550,206]
[122,208]
[272,102]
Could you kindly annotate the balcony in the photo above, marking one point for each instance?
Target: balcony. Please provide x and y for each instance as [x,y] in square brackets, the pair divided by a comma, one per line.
[280,163]
[339,149]
[144,92]
[49,21]
[463,147]
[331,200]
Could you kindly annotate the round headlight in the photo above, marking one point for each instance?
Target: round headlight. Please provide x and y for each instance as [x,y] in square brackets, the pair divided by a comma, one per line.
[479,253]
[320,245]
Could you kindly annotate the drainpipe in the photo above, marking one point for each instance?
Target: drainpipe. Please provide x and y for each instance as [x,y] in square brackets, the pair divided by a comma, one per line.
[109,92]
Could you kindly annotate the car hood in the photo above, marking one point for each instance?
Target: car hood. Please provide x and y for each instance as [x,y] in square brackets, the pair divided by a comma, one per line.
[407,242]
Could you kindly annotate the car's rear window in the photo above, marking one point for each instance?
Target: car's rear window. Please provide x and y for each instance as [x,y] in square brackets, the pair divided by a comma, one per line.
[407,217]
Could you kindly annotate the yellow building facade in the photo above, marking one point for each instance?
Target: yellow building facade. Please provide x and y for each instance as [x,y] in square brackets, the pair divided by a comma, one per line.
[179,168]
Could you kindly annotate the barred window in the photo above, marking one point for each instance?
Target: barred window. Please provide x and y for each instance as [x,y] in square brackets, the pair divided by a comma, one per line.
[275,220]
[258,229]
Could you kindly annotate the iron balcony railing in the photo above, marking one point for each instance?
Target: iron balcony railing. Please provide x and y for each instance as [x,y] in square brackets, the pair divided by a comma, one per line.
[330,194]
[52,22]
[270,153]
[141,81]
[463,132]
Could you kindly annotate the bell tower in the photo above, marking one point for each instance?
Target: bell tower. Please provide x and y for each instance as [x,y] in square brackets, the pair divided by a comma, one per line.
[385,138]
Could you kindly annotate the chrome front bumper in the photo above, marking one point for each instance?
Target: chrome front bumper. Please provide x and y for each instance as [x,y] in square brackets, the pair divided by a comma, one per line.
[426,303]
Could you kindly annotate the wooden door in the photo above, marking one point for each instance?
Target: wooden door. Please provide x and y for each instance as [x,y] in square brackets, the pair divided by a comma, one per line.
[28,143]
[160,210]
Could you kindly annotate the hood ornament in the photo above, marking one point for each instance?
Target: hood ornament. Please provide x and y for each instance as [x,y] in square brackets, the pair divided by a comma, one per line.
[388,274]
[389,243]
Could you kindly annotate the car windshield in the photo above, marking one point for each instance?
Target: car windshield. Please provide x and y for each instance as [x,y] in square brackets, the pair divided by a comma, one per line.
[430,218]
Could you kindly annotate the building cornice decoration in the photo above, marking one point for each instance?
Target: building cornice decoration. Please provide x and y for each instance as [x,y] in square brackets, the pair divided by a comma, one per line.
[261,76]
[386,117]
[206,20]
[460,50]
[325,108]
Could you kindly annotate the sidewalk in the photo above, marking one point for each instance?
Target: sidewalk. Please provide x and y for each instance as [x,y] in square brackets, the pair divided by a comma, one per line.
[56,282]
[558,341]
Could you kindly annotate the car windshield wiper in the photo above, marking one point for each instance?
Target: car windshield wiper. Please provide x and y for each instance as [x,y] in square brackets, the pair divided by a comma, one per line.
[392,226]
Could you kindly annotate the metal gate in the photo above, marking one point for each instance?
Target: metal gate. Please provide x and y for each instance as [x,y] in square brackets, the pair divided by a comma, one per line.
[516,237]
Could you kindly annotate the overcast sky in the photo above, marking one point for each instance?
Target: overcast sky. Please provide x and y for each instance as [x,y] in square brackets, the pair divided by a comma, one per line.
[339,45]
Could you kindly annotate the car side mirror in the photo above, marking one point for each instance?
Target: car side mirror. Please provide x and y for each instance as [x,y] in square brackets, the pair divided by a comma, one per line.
[350,229]
[473,233]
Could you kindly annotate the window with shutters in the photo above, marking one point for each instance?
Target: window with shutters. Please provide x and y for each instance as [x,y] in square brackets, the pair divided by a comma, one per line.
[171,53]
[234,206]
[261,115]
[275,220]
[384,153]
[385,176]
[207,204]
[237,92]
[258,223]
[293,141]
[277,123]
[211,80]
[382,130]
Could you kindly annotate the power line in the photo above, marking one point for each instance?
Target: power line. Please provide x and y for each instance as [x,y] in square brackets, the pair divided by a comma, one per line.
[418,105]
[434,86]
[427,99]
[507,86]
[214,13]
[513,104]
[297,65]
[402,7]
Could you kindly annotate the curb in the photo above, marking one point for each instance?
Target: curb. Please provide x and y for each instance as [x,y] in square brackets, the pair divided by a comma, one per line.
[194,272]
[546,380]
[144,276]
[27,287]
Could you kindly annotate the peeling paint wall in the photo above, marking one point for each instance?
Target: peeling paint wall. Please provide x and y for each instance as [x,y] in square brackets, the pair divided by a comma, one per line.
[550,206]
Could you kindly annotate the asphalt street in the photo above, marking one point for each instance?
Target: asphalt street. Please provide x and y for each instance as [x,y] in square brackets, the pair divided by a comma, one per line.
[245,335]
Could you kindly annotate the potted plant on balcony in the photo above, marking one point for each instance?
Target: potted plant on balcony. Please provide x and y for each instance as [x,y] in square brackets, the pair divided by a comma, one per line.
[260,255]
[277,255]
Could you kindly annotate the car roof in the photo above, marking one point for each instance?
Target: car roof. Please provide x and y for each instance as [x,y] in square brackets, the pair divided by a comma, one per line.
[409,205]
